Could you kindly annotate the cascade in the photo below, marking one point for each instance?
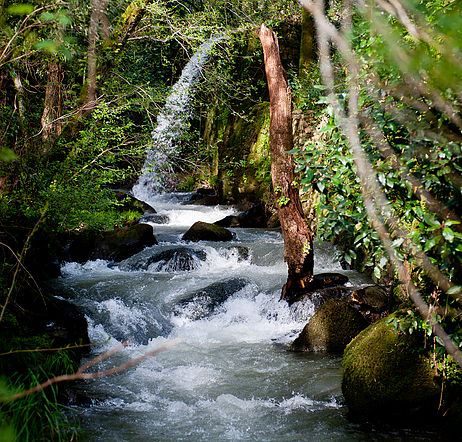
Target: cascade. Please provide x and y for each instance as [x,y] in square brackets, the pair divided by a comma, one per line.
[171,124]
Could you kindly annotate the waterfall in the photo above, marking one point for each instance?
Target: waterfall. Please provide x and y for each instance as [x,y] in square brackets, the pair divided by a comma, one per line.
[171,124]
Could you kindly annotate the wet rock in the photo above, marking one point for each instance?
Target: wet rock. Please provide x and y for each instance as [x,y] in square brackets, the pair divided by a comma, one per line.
[242,252]
[171,260]
[321,296]
[323,286]
[331,328]
[254,217]
[61,320]
[206,201]
[203,197]
[126,319]
[201,231]
[373,298]
[114,245]
[323,280]
[155,218]
[387,374]
[204,302]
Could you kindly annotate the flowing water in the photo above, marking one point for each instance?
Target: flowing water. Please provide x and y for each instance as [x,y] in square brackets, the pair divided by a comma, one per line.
[172,122]
[231,377]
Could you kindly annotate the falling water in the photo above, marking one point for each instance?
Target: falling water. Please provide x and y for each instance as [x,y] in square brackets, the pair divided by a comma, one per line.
[172,122]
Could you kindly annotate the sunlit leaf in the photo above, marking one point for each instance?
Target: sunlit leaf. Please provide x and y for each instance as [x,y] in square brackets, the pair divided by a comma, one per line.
[20,9]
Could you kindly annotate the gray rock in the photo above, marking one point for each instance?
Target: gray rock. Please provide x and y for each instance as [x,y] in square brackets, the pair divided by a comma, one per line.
[204,302]
[171,260]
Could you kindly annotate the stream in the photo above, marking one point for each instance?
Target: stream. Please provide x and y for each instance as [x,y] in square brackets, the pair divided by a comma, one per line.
[231,377]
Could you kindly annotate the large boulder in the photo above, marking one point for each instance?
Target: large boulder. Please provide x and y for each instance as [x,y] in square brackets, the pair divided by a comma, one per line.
[114,245]
[170,260]
[204,302]
[201,231]
[387,374]
[331,328]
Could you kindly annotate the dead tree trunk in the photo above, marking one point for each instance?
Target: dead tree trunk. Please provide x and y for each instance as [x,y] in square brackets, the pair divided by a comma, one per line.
[53,109]
[298,238]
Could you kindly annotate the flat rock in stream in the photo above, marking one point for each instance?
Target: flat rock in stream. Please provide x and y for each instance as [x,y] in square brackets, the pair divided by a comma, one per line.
[201,231]
[204,302]
[170,260]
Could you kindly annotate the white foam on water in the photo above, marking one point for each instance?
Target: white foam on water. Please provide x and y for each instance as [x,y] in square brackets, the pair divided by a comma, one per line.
[90,267]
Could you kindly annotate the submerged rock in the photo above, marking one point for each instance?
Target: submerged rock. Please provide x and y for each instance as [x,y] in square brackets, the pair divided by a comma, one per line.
[201,231]
[331,328]
[203,303]
[386,374]
[155,218]
[114,245]
[243,252]
[171,260]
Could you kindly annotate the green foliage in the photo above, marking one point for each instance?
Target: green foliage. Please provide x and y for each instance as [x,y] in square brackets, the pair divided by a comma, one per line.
[39,416]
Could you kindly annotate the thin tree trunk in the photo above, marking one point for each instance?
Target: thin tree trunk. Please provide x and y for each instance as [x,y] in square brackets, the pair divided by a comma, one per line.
[53,109]
[92,59]
[103,20]
[298,238]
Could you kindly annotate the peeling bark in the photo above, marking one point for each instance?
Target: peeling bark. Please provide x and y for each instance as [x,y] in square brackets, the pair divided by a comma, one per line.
[298,238]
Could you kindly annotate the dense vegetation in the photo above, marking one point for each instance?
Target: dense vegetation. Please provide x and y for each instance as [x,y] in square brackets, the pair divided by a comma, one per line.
[81,84]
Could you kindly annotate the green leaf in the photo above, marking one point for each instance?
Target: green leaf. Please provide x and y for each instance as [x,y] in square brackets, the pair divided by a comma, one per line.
[432,243]
[47,45]
[7,154]
[47,16]
[20,9]
[455,289]
[377,272]
[448,234]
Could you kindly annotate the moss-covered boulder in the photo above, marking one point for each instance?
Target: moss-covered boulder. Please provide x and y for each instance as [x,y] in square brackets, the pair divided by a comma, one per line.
[386,374]
[201,231]
[331,328]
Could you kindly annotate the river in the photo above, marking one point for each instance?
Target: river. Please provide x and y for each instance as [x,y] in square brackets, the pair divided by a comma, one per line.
[231,377]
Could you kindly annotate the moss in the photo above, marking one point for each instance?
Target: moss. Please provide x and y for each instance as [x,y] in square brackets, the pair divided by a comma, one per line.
[385,372]
[331,328]
[201,231]
[244,156]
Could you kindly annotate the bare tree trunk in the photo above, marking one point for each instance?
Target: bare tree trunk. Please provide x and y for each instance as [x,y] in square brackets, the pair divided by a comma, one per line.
[298,238]
[92,59]
[103,20]
[53,109]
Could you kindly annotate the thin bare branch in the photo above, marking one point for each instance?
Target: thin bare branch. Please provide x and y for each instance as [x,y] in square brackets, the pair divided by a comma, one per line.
[79,375]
